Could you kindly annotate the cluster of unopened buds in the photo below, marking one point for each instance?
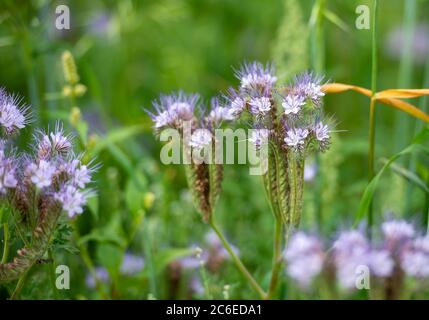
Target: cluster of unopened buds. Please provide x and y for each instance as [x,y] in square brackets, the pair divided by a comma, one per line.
[37,186]
[353,259]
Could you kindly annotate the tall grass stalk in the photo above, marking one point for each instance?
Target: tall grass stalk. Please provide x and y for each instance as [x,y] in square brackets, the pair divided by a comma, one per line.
[317,46]
[371,150]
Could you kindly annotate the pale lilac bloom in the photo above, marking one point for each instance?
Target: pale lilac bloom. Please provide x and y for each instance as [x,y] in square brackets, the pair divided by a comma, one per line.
[173,108]
[259,137]
[12,114]
[237,105]
[309,85]
[415,264]
[397,231]
[381,263]
[296,137]
[219,114]
[310,171]
[54,143]
[41,173]
[81,176]
[7,176]
[260,105]
[305,258]
[196,286]
[422,244]
[292,103]
[350,251]
[256,76]
[132,264]
[200,138]
[101,274]
[72,200]
[321,131]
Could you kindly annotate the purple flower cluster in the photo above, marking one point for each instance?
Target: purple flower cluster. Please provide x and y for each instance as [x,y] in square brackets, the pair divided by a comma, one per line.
[399,253]
[51,173]
[292,112]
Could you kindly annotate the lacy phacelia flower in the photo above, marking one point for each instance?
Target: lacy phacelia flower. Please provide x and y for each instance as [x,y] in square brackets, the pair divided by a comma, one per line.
[415,264]
[72,200]
[292,104]
[172,109]
[41,173]
[54,143]
[381,263]
[7,175]
[295,138]
[309,86]
[12,114]
[259,137]
[237,104]
[219,113]
[200,138]
[260,106]
[304,257]
[256,76]
[321,131]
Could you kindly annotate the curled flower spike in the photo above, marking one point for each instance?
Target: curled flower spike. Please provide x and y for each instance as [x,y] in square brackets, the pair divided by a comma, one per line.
[39,186]
[13,114]
[309,86]
[255,76]
[171,110]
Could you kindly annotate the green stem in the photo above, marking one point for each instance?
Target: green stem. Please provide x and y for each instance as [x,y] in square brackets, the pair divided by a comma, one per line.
[237,260]
[20,285]
[6,243]
[52,273]
[277,259]
[371,150]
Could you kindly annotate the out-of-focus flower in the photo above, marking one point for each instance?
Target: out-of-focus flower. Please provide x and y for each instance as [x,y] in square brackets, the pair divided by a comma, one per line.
[259,137]
[131,264]
[101,275]
[304,256]
[397,39]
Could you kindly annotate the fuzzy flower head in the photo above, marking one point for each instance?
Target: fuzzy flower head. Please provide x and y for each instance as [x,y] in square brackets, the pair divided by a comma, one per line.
[12,113]
[260,106]
[295,138]
[293,103]
[259,137]
[7,175]
[305,258]
[41,173]
[321,135]
[201,138]
[131,264]
[219,113]
[171,110]
[309,86]
[255,76]
[54,143]
[237,104]
[72,200]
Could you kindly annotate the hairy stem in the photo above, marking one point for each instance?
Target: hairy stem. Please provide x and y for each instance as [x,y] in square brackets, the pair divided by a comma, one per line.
[246,274]
[5,243]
